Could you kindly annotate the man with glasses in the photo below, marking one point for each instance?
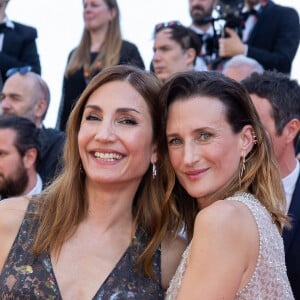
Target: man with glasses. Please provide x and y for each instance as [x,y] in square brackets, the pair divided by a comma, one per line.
[27,95]
[17,44]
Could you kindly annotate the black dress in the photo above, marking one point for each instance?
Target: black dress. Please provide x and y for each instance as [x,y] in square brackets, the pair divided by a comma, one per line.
[25,276]
[74,84]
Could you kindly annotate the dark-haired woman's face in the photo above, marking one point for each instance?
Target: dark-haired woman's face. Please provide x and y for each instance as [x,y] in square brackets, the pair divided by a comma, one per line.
[204,151]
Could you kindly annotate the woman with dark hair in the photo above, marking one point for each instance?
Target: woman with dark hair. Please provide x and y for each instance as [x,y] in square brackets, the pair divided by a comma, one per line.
[97,231]
[101,46]
[226,188]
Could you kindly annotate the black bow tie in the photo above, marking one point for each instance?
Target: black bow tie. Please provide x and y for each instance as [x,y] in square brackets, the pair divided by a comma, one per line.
[251,12]
[2,27]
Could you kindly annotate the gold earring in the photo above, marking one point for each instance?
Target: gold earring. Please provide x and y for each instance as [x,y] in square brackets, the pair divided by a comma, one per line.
[243,167]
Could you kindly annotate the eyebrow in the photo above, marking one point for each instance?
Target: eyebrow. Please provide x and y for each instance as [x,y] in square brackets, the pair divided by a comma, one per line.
[195,131]
[121,109]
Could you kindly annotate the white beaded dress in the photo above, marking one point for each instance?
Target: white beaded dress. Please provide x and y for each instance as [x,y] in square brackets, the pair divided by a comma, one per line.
[269,280]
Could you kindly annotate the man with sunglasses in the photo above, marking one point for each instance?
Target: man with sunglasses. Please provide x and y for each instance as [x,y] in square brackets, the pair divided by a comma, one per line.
[17,44]
[27,95]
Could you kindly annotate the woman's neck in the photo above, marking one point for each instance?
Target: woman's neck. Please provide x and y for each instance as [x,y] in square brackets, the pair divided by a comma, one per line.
[97,38]
[110,203]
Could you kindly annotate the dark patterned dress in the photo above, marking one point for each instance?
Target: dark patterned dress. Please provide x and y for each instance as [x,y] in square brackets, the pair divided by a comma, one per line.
[25,276]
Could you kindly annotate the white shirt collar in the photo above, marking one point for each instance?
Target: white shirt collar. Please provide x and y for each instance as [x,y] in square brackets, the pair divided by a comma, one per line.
[255,7]
[38,186]
[210,30]
[8,22]
[289,183]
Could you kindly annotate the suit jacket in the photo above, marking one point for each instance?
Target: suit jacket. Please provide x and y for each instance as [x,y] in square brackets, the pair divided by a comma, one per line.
[51,148]
[19,49]
[274,39]
[291,238]
[74,84]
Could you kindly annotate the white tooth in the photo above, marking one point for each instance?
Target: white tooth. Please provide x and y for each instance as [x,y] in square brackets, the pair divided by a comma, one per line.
[107,156]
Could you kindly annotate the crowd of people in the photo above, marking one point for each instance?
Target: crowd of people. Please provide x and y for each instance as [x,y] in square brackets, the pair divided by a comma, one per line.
[177,182]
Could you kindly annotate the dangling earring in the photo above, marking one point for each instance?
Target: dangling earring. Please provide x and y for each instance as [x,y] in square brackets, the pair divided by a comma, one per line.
[243,167]
[154,173]
[81,170]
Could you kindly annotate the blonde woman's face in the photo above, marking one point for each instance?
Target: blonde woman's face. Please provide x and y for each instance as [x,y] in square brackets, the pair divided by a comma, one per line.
[97,14]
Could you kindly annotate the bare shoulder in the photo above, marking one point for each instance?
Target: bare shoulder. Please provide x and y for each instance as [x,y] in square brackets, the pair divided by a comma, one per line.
[171,253]
[223,216]
[12,212]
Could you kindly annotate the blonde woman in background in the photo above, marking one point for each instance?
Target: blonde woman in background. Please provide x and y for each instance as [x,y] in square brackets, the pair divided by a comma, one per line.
[101,46]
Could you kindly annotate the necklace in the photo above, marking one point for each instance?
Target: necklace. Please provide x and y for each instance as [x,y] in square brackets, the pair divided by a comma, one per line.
[90,70]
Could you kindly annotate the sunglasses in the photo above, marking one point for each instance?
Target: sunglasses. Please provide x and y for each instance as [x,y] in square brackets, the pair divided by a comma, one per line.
[160,26]
[21,70]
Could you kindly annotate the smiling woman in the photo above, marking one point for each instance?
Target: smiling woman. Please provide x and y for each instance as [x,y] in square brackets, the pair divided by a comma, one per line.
[102,215]
[227,191]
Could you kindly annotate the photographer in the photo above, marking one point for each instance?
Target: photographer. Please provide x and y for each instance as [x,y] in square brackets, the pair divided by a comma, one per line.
[270,34]
[201,13]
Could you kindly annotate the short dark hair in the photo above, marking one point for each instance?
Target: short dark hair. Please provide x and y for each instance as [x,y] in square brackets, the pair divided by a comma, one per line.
[282,92]
[184,36]
[27,134]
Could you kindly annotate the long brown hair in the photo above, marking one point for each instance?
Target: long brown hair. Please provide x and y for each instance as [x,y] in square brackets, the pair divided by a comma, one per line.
[62,206]
[108,55]
[261,176]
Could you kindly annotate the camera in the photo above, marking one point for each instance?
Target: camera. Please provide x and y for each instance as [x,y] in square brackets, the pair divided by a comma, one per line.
[228,14]
[231,12]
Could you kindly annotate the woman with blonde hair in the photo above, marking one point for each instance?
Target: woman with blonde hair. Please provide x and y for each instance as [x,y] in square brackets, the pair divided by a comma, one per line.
[97,231]
[101,46]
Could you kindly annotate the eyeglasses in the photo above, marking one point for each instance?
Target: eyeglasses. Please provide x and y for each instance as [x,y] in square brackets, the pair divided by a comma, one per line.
[160,26]
[21,70]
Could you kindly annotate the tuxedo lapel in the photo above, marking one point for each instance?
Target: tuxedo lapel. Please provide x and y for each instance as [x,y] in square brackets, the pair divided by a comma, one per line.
[262,20]
[294,214]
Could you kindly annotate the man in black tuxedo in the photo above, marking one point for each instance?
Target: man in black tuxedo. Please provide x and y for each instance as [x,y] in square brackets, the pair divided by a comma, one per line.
[17,44]
[27,95]
[271,35]
[277,100]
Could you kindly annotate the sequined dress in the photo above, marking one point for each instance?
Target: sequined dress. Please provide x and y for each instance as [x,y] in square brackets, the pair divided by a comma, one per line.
[27,277]
[269,280]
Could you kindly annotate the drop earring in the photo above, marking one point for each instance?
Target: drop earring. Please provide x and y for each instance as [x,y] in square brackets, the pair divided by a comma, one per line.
[242,167]
[154,172]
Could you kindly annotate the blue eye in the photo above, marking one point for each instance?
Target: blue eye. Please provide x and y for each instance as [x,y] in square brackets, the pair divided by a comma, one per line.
[204,136]
[175,141]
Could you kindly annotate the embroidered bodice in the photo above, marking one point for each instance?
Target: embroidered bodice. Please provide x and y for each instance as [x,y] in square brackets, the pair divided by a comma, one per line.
[269,280]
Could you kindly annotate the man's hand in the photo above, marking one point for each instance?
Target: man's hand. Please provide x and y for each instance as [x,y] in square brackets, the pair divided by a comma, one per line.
[231,45]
